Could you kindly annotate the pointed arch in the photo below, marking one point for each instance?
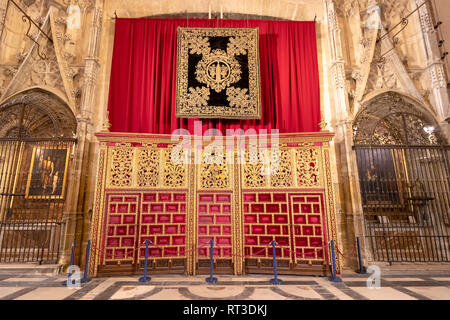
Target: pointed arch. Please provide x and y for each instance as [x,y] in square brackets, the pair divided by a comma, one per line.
[391,117]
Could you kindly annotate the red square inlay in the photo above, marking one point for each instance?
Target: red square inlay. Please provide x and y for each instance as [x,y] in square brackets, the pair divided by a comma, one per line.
[172,207]
[127,242]
[145,208]
[156,208]
[312,199]
[296,208]
[170,252]
[223,198]
[163,218]
[226,241]
[112,242]
[179,197]
[279,197]
[226,208]
[202,230]
[202,208]
[129,219]
[316,208]
[282,241]
[246,208]
[226,230]
[250,218]
[214,208]
[307,230]
[154,229]
[206,219]
[182,207]
[283,207]
[120,231]
[265,218]
[132,208]
[114,219]
[177,240]
[164,197]
[315,242]
[214,230]
[298,199]
[131,230]
[265,240]
[273,229]
[154,252]
[249,197]
[258,251]
[251,240]
[258,229]
[149,197]
[206,198]
[272,208]
[257,208]
[300,219]
[264,197]
[301,242]
[162,240]
[171,229]
[178,218]
[112,208]
[122,208]
[313,219]
[110,231]
[280,218]
[306,208]
[116,199]
[223,219]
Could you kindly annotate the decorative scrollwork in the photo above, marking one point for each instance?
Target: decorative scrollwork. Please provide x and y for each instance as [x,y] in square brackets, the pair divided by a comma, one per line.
[284,176]
[148,168]
[214,175]
[308,167]
[174,175]
[121,167]
[252,171]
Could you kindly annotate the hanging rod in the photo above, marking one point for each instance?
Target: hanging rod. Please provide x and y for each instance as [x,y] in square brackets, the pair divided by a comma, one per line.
[404,21]
[30,20]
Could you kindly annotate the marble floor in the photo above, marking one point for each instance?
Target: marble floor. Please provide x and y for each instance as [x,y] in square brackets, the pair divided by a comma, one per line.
[430,285]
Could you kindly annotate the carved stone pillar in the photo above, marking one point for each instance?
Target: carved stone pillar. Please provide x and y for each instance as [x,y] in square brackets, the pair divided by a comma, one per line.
[349,205]
[435,66]
[79,189]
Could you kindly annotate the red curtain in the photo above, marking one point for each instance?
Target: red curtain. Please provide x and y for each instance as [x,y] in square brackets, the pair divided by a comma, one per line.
[143,76]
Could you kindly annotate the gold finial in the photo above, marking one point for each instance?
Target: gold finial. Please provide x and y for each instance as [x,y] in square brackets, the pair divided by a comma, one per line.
[322,124]
[106,123]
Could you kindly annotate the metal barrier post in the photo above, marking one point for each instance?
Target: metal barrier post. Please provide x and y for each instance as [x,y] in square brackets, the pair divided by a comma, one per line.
[72,257]
[86,264]
[334,277]
[362,269]
[211,278]
[275,280]
[145,278]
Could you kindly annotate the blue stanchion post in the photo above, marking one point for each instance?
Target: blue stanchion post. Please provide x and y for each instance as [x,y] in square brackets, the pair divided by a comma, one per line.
[72,258]
[275,280]
[362,269]
[86,264]
[211,278]
[145,278]
[334,277]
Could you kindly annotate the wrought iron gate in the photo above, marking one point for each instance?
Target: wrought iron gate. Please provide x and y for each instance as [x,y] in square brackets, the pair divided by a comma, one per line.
[33,175]
[34,163]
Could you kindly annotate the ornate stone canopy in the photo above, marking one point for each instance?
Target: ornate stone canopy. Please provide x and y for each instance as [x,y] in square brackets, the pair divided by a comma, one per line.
[390,119]
[36,114]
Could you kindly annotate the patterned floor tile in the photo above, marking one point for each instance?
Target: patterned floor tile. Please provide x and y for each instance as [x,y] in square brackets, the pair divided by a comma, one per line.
[434,293]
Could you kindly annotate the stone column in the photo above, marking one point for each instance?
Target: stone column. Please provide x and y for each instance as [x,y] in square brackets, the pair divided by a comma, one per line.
[349,205]
[3,9]
[79,192]
[435,67]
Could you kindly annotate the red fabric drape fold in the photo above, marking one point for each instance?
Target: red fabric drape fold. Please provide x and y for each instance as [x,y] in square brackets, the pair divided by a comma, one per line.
[143,76]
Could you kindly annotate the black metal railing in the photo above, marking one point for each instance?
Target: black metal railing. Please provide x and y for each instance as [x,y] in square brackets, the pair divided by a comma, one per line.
[405,192]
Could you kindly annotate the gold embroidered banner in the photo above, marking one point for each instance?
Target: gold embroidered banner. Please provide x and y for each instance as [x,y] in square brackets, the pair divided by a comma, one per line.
[218,73]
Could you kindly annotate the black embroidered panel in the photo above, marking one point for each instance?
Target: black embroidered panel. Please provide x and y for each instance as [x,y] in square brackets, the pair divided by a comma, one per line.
[218,73]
